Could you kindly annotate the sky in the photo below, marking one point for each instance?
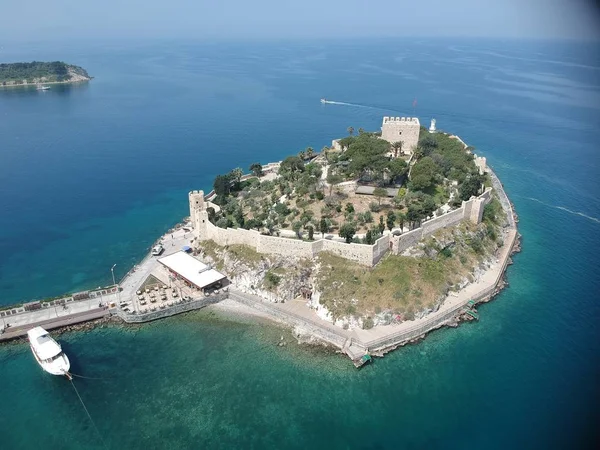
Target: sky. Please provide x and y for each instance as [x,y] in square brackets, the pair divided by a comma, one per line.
[33,20]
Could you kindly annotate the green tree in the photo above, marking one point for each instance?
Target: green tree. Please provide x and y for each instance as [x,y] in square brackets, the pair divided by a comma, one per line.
[256,169]
[311,232]
[397,168]
[423,173]
[291,167]
[222,185]
[302,155]
[361,131]
[347,231]
[323,226]
[333,179]
[349,208]
[380,193]
[391,220]
[236,175]
[310,152]
[381,226]
[369,237]
[470,187]
[296,226]
[397,147]
[400,217]
[350,131]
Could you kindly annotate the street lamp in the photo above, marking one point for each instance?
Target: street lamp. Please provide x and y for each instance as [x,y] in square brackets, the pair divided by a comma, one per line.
[112,271]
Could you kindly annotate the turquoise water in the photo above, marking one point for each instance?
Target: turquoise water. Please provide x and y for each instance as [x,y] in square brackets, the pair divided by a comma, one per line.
[92,174]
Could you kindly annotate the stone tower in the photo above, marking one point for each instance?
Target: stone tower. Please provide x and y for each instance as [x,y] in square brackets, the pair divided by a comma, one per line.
[198,214]
[403,129]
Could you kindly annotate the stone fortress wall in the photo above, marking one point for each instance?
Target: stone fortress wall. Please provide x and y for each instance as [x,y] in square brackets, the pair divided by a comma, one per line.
[403,129]
[367,255]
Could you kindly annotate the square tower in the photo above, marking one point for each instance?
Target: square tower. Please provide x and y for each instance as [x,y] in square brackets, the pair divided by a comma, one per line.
[403,129]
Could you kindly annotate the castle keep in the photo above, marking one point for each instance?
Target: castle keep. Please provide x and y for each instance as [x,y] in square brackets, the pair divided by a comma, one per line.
[403,129]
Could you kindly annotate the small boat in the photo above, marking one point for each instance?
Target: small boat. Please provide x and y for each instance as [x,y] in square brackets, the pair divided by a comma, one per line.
[48,353]
[323,100]
[42,88]
[362,361]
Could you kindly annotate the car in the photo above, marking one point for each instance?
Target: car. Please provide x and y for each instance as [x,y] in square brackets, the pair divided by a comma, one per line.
[157,250]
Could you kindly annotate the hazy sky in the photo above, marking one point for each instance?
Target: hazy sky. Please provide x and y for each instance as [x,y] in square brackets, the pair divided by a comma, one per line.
[39,19]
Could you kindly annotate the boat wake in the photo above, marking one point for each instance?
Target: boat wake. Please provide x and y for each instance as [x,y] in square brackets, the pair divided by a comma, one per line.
[356,105]
[562,208]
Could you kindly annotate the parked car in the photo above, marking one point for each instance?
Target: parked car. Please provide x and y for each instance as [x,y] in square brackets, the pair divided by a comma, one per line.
[157,250]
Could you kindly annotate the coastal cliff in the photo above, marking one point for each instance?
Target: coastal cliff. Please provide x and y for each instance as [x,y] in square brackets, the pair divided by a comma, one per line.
[23,74]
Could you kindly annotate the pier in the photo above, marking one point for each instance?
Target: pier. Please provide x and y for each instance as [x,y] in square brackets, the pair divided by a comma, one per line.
[121,300]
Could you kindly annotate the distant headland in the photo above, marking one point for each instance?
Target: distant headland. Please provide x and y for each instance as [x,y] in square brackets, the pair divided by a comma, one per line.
[36,72]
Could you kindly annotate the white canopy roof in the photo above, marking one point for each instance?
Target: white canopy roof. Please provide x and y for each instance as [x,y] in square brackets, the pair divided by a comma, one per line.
[191,269]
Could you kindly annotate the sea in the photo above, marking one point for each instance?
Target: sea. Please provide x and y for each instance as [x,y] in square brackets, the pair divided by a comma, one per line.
[91,174]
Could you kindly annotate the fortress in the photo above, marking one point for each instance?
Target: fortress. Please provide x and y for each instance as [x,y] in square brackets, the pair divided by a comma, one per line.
[364,254]
[403,129]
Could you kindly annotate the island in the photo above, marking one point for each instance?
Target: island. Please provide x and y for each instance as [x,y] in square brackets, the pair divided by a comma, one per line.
[34,73]
[365,246]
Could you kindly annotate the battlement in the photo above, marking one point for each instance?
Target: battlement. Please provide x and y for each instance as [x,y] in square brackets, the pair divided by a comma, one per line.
[401,129]
[404,120]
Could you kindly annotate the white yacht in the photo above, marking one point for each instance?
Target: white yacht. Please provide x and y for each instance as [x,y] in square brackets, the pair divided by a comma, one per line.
[48,352]
[323,100]
[42,87]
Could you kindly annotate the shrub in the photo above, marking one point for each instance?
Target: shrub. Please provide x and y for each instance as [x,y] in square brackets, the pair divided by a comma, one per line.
[368,323]
[374,207]
[272,279]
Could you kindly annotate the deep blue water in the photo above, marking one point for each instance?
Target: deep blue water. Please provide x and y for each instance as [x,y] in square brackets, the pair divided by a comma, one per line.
[90,175]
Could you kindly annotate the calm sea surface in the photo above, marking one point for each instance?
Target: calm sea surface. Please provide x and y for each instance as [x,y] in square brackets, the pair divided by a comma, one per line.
[91,174]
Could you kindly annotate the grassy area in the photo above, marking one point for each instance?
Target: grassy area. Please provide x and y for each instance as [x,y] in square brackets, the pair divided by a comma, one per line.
[403,284]
[240,252]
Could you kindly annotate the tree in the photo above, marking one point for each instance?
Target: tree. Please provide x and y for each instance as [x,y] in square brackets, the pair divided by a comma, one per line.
[309,152]
[302,155]
[397,146]
[350,131]
[236,175]
[470,187]
[323,226]
[361,130]
[256,169]
[428,144]
[381,226]
[349,208]
[292,166]
[333,179]
[423,173]
[369,237]
[311,232]
[296,226]
[380,193]
[397,168]
[400,217]
[222,185]
[347,231]
[391,219]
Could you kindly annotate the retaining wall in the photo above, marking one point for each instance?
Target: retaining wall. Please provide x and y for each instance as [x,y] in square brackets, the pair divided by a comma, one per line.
[172,310]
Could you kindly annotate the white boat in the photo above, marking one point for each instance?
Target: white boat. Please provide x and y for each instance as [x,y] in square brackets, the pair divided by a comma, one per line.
[323,100]
[48,352]
[42,88]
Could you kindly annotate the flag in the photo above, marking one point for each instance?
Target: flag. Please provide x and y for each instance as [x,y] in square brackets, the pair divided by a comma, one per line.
[415,103]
